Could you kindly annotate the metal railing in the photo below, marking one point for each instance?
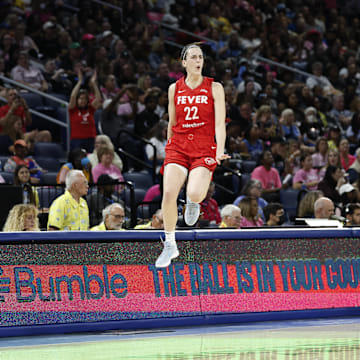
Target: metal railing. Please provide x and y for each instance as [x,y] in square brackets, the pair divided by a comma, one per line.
[39,114]
[126,154]
[47,193]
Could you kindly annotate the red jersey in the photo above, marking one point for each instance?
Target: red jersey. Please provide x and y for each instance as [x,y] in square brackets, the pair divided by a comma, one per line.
[82,123]
[19,111]
[192,143]
[194,109]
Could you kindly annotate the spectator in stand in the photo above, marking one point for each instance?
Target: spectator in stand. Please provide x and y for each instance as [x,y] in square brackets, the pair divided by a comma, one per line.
[81,113]
[162,106]
[105,166]
[349,194]
[338,115]
[252,146]
[110,89]
[70,211]
[22,217]
[117,116]
[159,140]
[47,39]
[334,136]
[267,123]
[346,159]
[321,153]
[307,178]
[163,80]
[16,105]
[156,222]
[250,213]
[274,214]
[8,50]
[28,74]
[147,119]
[269,177]
[253,188]
[354,169]
[319,79]
[352,214]
[241,119]
[57,78]
[104,141]
[13,128]
[288,127]
[77,160]
[22,178]
[306,205]
[176,70]
[25,42]
[145,82]
[156,54]
[21,158]
[330,185]
[209,207]
[353,131]
[102,197]
[113,218]
[324,208]
[230,216]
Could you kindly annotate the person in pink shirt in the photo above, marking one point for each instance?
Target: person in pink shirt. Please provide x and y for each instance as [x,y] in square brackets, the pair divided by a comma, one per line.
[320,155]
[346,159]
[307,177]
[249,211]
[105,166]
[269,177]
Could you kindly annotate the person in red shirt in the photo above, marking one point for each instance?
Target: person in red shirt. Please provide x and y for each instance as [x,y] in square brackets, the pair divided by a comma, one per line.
[209,207]
[196,117]
[81,113]
[16,109]
[16,105]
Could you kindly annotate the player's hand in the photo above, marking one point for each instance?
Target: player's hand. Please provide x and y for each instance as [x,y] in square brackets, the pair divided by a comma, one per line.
[221,157]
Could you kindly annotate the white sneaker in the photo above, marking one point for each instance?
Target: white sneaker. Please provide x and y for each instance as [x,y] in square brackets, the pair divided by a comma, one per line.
[192,213]
[169,252]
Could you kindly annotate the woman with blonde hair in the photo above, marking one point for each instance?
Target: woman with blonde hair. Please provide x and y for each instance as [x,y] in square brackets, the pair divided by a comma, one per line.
[22,217]
[104,141]
[267,122]
[306,204]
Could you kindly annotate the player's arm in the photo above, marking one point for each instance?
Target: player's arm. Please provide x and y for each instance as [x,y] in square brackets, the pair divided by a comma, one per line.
[220,114]
[171,110]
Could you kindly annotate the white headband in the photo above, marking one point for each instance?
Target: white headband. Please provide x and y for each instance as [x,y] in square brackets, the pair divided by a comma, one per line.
[186,49]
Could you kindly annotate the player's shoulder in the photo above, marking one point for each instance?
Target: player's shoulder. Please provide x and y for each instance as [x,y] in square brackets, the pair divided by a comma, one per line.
[172,88]
[216,85]
[217,88]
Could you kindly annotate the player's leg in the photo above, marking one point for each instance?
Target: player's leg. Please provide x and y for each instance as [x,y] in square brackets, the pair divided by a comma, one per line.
[197,187]
[174,178]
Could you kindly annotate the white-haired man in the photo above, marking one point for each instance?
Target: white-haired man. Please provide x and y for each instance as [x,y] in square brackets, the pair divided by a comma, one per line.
[324,208]
[70,211]
[230,216]
[113,218]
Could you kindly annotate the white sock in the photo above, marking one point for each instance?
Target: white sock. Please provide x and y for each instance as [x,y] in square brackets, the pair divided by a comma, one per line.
[170,236]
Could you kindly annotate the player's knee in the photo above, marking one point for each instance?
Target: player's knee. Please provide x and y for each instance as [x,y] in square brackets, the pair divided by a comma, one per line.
[195,196]
[169,196]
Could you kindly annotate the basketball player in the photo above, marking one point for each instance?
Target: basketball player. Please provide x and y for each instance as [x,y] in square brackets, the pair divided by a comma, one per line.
[196,119]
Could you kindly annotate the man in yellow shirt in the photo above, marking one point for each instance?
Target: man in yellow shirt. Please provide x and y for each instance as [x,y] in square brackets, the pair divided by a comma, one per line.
[156,222]
[230,216]
[113,218]
[70,211]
